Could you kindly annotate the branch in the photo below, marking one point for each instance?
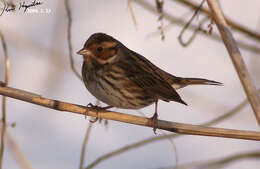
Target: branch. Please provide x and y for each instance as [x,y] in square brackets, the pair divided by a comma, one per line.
[186,26]
[16,151]
[236,57]
[236,26]
[67,6]
[84,145]
[180,22]
[219,162]
[4,100]
[129,5]
[126,118]
[153,139]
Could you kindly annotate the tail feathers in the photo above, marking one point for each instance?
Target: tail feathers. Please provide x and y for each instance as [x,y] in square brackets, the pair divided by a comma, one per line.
[183,102]
[198,81]
[182,82]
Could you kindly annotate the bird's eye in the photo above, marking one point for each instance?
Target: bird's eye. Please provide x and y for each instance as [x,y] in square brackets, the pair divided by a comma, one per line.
[99,49]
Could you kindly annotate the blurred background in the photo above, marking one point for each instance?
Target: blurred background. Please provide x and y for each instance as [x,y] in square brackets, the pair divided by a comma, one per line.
[39,62]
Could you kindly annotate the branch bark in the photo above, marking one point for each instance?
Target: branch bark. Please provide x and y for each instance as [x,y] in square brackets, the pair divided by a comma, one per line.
[236,57]
[126,118]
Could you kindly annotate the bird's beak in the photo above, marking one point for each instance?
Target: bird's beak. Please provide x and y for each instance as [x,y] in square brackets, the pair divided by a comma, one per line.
[84,52]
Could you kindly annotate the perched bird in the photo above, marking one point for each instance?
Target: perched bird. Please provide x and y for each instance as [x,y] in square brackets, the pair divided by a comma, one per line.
[125,79]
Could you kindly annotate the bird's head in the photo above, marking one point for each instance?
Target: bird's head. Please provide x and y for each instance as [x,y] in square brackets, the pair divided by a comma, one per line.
[101,48]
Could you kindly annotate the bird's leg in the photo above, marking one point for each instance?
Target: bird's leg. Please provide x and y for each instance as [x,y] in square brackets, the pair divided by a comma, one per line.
[155,118]
[96,109]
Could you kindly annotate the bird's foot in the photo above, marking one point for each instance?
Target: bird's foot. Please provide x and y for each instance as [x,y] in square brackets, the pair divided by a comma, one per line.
[154,120]
[96,109]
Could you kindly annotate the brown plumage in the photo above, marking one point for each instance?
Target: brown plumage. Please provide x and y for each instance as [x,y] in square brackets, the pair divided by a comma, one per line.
[125,79]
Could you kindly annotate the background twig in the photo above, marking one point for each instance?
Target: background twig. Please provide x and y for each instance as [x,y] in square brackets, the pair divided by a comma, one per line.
[181,22]
[4,100]
[129,4]
[69,39]
[234,25]
[14,148]
[85,141]
[236,57]
[83,149]
[218,163]
[186,26]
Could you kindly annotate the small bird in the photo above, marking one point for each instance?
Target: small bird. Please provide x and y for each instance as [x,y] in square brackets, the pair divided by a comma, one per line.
[125,79]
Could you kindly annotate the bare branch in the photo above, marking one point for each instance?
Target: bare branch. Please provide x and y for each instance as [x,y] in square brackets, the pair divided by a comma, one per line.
[14,148]
[180,22]
[83,149]
[186,26]
[236,57]
[129,4]
[85,141]
[127,118]
[159,7]
[69,39]
[234,25]
[7,66]
[218,163]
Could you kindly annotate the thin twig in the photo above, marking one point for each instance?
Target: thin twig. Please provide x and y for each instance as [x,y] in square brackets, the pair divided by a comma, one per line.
[127,118]
[14,148]
[218,163]
[181,22]
[236,26]
[159,7]
[153,139]
[83,149]
[169,138]
[236,57]
[229,114]
[129,147]
[186,26]
[129,4]
[67,6]
[4,99]
[194,34]
[85,141]
[6,138]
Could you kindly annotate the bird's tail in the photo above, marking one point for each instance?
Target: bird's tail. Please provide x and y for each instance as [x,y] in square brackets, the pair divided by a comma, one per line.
[182,82]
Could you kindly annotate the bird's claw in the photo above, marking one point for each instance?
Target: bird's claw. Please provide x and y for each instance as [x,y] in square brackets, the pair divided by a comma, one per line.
[96,109]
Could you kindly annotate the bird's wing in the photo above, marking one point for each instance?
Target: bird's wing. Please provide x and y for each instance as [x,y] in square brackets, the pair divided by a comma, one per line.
[145,74]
